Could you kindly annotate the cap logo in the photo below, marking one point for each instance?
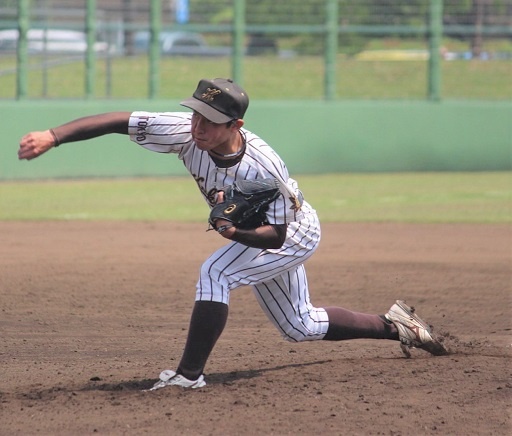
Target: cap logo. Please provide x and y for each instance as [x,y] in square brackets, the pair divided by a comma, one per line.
[210,94]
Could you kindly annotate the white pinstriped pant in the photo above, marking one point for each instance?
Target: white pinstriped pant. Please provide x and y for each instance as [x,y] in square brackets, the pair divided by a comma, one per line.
[278,279]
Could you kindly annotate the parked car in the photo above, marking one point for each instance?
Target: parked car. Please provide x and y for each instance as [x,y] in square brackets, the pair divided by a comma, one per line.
[179,44]
[49,40]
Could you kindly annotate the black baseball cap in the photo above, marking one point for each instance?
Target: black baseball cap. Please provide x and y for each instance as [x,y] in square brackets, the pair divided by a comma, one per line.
[218,100]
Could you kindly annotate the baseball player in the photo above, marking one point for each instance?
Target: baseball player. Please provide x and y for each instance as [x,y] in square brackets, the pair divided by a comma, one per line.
[217,150]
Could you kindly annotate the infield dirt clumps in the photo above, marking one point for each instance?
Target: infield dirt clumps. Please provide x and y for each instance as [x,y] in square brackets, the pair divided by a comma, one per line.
[91,312]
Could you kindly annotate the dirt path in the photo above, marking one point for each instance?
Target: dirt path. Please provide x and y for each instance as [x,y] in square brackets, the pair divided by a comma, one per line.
[91,312]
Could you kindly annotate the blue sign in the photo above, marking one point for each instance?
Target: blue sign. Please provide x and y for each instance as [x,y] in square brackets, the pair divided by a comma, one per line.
[182,11]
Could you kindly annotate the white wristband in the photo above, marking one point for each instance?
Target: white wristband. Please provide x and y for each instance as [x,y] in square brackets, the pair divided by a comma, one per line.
[222,229]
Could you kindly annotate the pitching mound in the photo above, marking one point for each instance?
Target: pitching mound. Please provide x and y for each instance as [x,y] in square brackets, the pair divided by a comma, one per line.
[92,312]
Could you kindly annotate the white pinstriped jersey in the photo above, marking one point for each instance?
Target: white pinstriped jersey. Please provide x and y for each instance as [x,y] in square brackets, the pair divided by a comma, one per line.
[277,276]
[170,132]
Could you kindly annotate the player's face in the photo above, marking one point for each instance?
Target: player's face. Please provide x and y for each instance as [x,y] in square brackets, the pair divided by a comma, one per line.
[208,135]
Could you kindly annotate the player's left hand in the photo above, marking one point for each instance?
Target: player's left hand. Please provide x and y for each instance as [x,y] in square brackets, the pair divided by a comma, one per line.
[34,144]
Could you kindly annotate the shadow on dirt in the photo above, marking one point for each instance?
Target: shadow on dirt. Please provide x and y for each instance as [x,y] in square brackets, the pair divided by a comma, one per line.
[219,378]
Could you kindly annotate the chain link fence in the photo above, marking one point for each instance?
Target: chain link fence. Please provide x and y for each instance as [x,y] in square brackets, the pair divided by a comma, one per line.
[319,49]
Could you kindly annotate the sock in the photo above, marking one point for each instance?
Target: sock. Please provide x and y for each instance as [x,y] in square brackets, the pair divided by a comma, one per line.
[206,325]
[345,324]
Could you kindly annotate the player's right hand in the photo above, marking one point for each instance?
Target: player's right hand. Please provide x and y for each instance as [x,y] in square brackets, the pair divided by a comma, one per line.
[34,144]
[230,231]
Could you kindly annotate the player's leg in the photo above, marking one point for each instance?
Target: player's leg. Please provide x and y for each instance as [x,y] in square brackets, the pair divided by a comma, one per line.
[286,302]
[206,325]
[345,324]
[229,267]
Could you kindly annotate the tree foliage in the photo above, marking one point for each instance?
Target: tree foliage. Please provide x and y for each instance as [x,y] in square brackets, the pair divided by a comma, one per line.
[362,13]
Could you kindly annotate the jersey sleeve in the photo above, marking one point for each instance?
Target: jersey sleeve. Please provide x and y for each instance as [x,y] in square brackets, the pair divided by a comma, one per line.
[261,161]
[289,207]
[166,132]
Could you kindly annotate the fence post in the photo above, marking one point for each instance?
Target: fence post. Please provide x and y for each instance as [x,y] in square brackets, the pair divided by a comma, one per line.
[238,40]
[22,56]
[90,58]
[154,50]
[331,49]
[435,33]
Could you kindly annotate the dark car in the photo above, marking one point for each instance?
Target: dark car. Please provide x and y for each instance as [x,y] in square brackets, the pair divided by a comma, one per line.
[179,44]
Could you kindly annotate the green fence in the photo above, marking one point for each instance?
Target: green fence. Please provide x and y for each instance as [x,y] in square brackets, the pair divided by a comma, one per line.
[335,85]
[328,48]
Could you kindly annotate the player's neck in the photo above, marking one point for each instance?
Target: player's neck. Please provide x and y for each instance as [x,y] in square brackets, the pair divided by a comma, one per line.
[237,148]
[222,161]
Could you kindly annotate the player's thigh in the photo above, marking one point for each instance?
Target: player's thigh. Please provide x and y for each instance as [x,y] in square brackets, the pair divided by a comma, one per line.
[236,265]
[286,302]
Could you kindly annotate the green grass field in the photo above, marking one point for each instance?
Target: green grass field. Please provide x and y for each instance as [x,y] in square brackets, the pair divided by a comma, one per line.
[397,197]
[269,78]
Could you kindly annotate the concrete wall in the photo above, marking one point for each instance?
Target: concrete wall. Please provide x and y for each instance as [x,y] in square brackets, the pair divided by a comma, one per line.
[312,137]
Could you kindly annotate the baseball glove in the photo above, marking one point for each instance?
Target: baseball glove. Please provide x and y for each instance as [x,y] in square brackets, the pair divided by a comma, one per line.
[245,203]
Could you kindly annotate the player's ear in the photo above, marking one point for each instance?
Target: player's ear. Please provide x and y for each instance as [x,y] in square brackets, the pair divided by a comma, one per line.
[237,123]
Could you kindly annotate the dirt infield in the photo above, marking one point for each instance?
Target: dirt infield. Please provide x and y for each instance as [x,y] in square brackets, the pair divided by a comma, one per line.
[90,313]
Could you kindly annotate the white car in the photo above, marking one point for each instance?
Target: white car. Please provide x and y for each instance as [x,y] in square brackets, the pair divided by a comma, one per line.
[49,40]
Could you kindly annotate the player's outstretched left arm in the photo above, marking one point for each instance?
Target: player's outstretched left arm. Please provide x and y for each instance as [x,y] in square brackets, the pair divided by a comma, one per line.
[34,144]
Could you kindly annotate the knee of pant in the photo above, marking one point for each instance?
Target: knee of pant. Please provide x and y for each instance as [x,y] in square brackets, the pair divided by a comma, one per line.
[312,327]
[209,274]
[302,335]
[212,285]
[289,338]
[212,271]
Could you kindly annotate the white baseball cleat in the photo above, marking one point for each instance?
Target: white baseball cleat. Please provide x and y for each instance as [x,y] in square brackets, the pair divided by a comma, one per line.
[413,331]
[170,378]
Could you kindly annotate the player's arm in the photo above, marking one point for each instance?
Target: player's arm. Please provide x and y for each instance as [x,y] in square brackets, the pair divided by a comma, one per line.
[34,144]
[268,236]
[265,237]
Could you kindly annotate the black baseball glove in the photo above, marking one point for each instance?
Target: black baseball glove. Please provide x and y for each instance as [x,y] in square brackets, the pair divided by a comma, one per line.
[245,203]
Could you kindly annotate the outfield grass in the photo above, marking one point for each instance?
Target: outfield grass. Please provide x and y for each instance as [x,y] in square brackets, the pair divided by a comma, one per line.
[269,78]
[397,197]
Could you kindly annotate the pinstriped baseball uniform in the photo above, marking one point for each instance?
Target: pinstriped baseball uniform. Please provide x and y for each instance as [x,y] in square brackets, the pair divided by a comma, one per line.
[277,276]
